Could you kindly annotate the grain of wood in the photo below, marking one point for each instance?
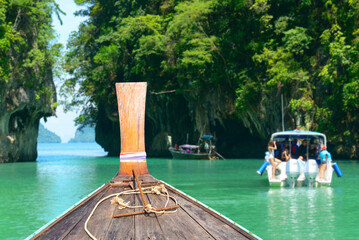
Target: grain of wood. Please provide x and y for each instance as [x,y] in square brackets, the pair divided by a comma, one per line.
[122,228]
[99,222]
[217,228]
[178,225]
[192,221]
[146,225]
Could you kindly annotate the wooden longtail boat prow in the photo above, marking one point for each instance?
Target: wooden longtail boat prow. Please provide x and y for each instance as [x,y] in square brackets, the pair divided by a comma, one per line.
[131,99]
[167,213]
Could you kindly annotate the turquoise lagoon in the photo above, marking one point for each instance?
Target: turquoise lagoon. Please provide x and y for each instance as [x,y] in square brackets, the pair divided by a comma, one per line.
[32,194]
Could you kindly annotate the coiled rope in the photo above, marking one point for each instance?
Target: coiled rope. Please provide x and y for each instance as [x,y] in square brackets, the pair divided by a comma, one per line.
[158,190]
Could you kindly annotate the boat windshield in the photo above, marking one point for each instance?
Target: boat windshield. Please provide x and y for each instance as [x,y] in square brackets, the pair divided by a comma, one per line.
[305,144]
[316,137]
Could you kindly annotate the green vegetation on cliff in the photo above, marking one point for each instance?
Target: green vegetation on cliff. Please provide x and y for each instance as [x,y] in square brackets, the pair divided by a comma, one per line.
[46,136]
[86,134]
[221,65]
[28,55]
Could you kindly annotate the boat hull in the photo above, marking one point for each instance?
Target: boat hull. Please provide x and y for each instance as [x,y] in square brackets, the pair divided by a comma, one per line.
[192,220]
[193,156]
[281,179]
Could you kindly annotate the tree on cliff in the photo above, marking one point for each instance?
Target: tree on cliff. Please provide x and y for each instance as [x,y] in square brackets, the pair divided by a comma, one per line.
[27,91]
[213,63]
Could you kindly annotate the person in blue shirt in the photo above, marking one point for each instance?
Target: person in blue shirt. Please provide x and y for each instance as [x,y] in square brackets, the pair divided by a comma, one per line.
[325,158]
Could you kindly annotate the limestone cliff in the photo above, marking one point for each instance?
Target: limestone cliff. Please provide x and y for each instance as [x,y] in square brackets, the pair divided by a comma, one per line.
[19,121]
[175,116]
[27,91]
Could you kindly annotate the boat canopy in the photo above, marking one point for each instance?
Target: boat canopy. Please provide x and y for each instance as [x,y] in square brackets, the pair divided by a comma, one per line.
[189,146]
[206,137]
[300,134]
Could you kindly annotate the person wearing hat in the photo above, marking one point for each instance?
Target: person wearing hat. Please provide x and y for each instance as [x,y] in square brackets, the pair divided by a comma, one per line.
[325,157]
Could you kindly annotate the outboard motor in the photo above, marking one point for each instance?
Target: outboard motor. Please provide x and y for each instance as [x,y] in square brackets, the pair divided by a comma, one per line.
[311,172]
[292,171]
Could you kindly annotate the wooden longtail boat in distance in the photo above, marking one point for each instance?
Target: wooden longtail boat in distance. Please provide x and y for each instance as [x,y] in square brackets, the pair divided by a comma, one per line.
[187,151]
[203,151]
[98,216]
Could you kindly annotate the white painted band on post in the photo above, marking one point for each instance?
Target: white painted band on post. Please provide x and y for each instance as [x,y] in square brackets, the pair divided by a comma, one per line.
[134,161]
[133,155]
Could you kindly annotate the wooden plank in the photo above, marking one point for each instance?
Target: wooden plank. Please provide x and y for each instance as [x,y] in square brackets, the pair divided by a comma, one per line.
[178,225]
[123,228]
[217,228]
[147,226]
[99,222]
[64,225]
[145,178]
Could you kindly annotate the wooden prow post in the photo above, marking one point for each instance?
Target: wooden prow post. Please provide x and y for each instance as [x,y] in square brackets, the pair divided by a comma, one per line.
[131,98]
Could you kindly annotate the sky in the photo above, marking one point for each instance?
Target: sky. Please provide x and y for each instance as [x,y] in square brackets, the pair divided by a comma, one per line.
[63,124]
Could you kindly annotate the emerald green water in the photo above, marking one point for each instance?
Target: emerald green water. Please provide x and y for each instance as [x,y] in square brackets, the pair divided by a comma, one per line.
[31,194]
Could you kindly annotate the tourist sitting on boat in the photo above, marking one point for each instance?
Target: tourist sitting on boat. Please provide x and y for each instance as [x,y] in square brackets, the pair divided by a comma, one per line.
[294,149]
[285,155]
[312,151]
[325,157]
[302,151]
[285,144]
[272,146]
[278,151]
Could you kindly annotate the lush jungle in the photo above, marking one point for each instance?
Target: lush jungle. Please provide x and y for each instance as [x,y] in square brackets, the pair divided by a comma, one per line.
[212,67]
[220,66]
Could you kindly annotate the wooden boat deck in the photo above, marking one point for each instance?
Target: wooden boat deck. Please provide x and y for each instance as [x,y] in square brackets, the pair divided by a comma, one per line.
[191,221]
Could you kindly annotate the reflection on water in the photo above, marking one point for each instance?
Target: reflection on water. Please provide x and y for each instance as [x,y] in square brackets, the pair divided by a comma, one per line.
[308,212]
[232,188]
[59,184]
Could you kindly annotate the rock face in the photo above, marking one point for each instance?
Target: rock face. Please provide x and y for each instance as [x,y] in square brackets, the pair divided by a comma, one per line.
[107,130]
[27,90]
[173,117]
[19,122]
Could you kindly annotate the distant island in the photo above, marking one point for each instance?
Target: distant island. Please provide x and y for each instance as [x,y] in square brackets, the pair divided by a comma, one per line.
[46,136]
[86,134]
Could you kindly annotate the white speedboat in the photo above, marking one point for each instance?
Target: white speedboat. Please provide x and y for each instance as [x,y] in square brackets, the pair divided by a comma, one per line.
[303,166]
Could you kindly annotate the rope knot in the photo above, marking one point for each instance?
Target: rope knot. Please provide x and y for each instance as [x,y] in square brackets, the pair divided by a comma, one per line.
[163,188]
[156,190]
[159,189]
[121,203]
[148,208]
